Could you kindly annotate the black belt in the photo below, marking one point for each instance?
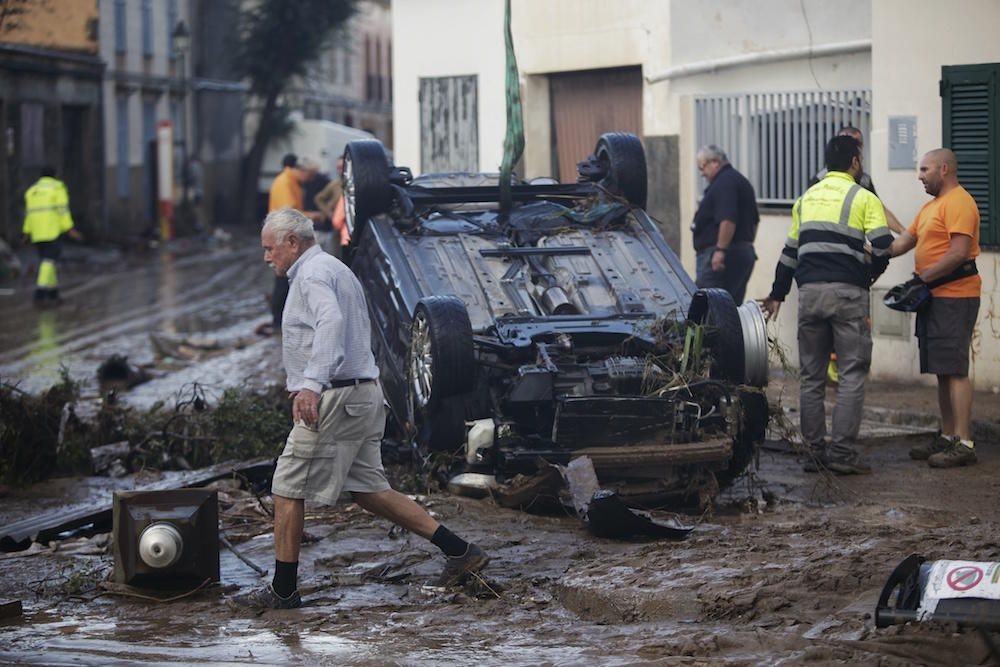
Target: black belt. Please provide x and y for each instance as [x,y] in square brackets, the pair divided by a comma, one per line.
[337,384]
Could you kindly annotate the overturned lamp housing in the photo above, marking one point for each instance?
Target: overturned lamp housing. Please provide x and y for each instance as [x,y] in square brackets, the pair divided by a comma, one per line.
[166,539]
[962,592]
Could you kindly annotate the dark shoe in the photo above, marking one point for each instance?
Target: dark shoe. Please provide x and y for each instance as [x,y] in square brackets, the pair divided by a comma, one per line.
[953,457]
[924,451]
[457,568]
[814,454]
[843,460]
[266,598]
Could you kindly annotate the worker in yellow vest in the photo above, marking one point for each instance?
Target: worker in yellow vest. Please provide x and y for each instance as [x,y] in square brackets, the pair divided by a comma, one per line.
[46,218]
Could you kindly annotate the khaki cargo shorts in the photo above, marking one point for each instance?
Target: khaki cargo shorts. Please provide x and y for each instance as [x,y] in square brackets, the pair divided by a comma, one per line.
[342,454]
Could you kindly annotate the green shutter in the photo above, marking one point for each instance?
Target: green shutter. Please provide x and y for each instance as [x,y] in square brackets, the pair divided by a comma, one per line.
[970,97]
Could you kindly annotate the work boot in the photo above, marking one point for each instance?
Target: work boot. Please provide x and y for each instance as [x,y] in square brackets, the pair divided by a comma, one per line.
[814,454]
[844,460]
[956,455]
[924,451]
[266,598]
[457,568]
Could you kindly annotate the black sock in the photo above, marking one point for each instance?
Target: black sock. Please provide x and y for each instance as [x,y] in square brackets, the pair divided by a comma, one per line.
[285,576]
[448,542]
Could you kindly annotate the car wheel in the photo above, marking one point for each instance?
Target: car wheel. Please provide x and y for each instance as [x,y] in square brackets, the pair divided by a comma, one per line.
[624,160]
[443,428]
[714,309]
[366,183]
[441,362]
[750,433]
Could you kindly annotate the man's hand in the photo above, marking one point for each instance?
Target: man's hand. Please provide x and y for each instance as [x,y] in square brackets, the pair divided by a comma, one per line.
[75,235]
[771,307]
[305,407]
[719,261]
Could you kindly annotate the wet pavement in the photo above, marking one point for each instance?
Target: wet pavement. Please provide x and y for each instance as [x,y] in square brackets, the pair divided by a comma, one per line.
[215,292]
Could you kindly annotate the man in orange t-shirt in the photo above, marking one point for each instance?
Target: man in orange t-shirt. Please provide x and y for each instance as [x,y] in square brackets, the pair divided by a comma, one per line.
[946,235]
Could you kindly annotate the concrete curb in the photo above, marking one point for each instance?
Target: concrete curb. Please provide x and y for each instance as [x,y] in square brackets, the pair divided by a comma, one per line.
[982,429]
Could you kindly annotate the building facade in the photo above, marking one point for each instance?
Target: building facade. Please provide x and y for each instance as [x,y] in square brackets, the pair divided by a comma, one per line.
[769,83]
[50,110]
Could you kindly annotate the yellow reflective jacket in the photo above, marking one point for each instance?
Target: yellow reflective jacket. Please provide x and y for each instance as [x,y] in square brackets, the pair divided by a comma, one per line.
[46,205]
[826,243]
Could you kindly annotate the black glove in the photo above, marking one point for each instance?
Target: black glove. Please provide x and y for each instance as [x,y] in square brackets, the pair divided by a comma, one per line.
[914,281]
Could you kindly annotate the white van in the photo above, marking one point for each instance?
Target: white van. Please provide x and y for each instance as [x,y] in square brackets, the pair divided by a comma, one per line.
[321,140]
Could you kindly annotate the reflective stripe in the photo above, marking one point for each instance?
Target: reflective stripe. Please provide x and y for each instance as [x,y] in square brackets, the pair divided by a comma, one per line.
[876,234]
[817,226]
[791,243]
[54,207]
[788,261]
[845,211]
[838,248]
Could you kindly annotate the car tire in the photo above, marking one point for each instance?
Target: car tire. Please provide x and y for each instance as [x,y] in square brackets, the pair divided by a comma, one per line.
[443,428]
[625,160]
[714,309]
[367,190]
[753,418]
[440,361]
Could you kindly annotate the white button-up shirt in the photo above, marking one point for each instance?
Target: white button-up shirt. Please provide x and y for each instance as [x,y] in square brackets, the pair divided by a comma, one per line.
[325,328]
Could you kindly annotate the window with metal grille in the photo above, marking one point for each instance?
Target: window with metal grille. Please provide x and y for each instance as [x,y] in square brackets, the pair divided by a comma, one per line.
[777,140]
[970,98]
[147,28]
[120,41]
[121,127]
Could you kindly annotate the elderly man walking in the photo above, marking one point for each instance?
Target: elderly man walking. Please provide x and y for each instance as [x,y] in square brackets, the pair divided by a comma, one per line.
[338,410]
[945,234]
[724,226]
[825,254]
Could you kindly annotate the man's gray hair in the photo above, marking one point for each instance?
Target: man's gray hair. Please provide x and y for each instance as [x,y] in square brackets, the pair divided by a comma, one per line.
[287,221]
[308,164]
[712,152]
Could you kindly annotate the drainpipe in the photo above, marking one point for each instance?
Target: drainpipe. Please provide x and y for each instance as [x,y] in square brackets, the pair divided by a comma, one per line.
[762,57]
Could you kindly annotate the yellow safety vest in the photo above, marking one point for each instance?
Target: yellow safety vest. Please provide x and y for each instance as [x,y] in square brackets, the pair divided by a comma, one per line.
[46,205]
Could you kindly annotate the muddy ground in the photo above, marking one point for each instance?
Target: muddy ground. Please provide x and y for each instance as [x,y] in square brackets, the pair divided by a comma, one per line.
[785,570]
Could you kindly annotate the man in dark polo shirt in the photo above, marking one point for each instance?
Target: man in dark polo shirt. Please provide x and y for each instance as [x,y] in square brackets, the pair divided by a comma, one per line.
[724,226]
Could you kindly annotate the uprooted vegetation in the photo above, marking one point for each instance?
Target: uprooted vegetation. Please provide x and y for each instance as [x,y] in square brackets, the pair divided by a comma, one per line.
[54,432]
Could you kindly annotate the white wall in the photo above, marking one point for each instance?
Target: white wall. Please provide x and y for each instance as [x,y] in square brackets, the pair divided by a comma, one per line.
[910,46]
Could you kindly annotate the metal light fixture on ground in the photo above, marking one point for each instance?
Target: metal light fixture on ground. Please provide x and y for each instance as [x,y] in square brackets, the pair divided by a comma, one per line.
[166,539]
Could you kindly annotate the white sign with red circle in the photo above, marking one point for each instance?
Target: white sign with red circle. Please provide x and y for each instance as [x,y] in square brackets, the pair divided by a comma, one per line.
[953,579]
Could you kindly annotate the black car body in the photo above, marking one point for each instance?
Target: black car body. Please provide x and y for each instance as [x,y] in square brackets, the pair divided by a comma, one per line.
[563,327]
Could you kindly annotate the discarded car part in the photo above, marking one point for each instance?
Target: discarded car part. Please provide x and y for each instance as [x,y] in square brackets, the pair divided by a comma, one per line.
[962,592]
[441,355]
[481,438]
[472,484]
[98,515]
[166,539]
[714,308]
[608,516]
[624,160]
[366,183]
[576,310]
[755,348]
[540,488]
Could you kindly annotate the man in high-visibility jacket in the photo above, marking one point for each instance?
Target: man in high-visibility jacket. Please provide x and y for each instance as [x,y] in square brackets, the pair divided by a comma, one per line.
[47,217]
[825,253]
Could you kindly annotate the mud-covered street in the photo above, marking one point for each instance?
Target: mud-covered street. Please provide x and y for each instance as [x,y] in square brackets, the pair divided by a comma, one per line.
[790,581]
[784,569]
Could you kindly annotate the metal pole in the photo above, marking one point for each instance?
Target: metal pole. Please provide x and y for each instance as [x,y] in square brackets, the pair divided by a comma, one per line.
[184,138]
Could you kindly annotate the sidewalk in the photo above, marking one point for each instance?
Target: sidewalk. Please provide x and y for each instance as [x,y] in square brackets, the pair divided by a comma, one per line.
[910,405]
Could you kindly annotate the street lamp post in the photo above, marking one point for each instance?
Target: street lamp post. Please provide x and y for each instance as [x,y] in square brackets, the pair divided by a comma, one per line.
[182,44]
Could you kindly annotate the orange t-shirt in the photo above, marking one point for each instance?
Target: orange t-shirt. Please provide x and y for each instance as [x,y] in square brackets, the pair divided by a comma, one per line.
[285,192]
[953,213]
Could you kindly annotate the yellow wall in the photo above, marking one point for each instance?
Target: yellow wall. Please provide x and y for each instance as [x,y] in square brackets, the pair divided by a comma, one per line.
[58,24]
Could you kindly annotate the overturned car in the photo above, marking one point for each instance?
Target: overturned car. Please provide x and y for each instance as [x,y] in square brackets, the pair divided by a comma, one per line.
[560,328]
